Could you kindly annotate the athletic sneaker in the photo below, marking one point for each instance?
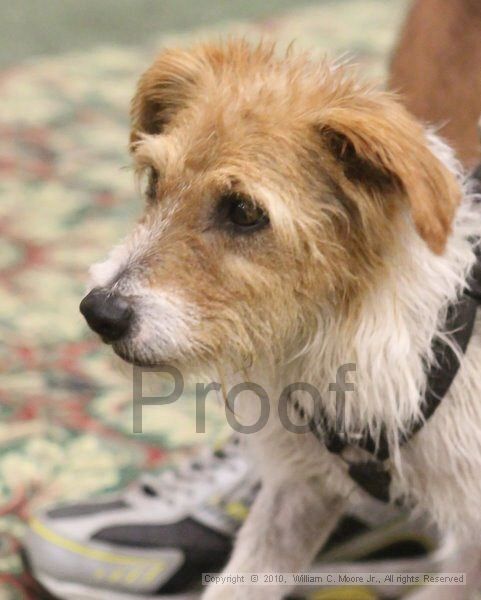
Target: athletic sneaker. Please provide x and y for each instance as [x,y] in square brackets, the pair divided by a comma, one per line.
[151,541]
[384,541]
[156,539]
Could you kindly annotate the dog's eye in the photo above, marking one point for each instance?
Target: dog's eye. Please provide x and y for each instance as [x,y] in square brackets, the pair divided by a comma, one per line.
[243,213]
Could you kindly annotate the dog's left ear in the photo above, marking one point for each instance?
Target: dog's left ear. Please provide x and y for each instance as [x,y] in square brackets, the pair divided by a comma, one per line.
[386,151]
[163,90]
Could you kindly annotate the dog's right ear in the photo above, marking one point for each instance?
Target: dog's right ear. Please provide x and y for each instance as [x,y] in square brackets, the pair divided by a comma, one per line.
[162,91]
[385,150]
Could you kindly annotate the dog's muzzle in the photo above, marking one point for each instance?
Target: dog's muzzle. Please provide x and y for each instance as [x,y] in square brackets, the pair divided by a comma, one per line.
[109,314]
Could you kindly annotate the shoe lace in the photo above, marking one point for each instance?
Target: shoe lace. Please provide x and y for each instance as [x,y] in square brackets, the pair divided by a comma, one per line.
[181,482]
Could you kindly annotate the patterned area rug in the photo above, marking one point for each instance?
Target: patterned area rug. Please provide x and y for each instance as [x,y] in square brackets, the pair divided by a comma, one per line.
[65,198]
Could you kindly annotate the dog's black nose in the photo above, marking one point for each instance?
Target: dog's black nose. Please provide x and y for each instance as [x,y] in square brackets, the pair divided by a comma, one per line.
[108,314]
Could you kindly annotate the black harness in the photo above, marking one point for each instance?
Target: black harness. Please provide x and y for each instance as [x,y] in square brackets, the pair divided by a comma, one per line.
[373,475]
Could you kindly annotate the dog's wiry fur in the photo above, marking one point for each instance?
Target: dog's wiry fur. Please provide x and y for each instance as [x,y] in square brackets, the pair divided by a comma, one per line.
[366,246]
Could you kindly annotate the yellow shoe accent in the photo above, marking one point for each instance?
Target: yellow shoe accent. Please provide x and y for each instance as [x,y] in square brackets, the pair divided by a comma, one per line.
[152,573]
[237,510]
[344,593]
[116,575]
[93,553]
[133,575]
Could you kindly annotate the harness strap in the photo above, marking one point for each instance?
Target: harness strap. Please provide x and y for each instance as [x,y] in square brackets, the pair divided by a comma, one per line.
[373,475]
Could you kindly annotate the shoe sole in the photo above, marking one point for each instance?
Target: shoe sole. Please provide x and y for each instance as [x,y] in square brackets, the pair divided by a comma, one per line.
[373,540]
[75,591]
[46,587]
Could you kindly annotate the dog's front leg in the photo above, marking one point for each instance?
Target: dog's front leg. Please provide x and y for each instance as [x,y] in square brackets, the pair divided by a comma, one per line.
[287,525]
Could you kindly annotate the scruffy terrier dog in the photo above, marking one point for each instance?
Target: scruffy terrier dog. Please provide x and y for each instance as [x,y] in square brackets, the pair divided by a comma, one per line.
[296,221]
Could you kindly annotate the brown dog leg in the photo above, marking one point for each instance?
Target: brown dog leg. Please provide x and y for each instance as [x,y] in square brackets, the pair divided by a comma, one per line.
[437,68]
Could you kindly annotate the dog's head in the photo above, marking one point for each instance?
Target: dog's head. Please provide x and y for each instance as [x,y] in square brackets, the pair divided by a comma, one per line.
[276,188]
